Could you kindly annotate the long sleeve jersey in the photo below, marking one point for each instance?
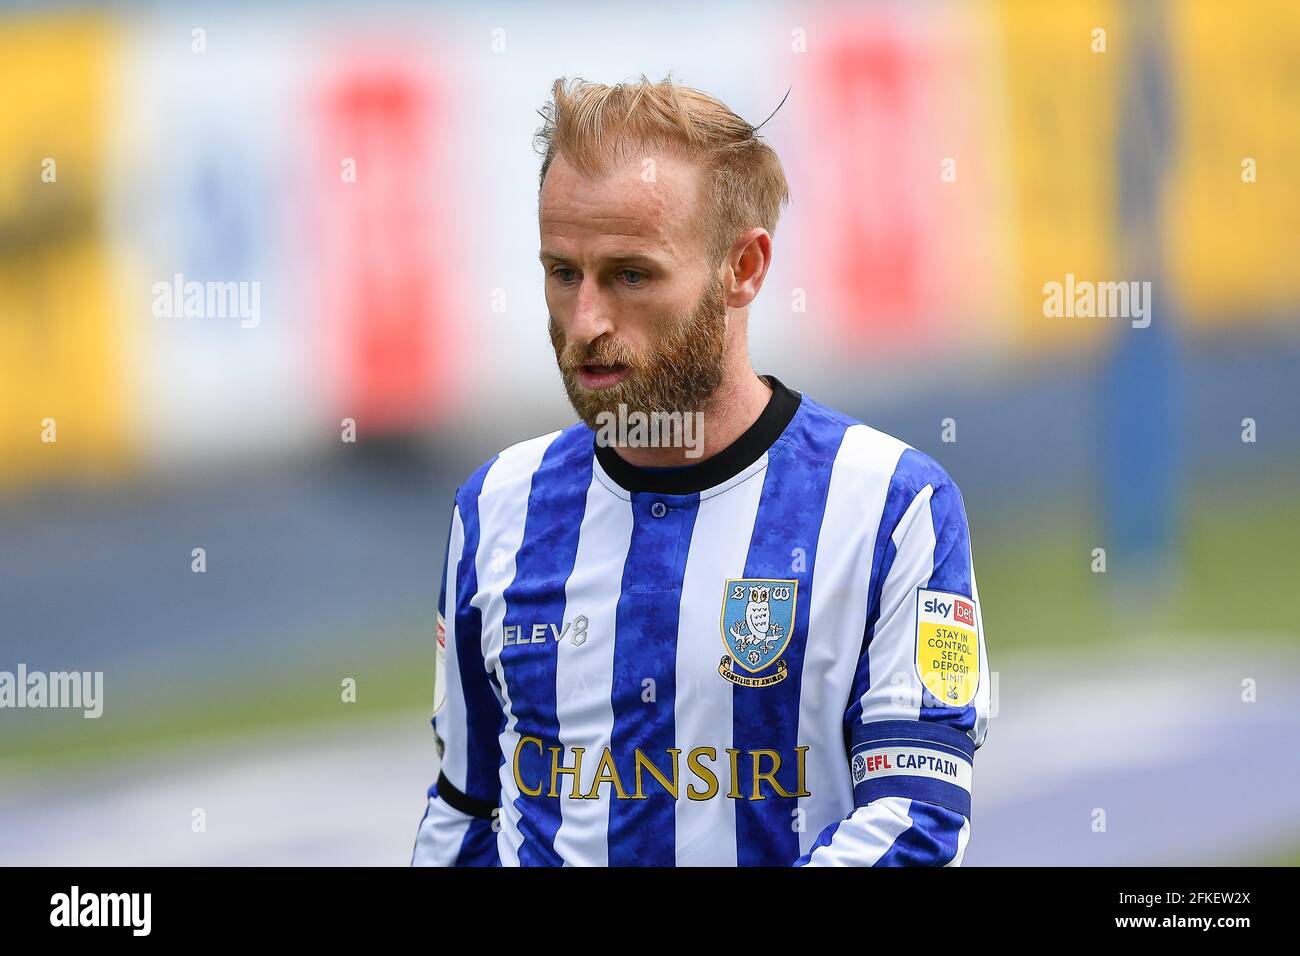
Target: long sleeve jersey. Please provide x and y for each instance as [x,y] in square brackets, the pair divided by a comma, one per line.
[772,657]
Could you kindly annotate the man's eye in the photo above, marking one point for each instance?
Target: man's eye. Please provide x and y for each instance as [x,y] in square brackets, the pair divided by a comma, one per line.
[563,274]
[632,276]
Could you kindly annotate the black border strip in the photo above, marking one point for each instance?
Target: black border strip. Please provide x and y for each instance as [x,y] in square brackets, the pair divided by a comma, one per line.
[728,463]
[470,806]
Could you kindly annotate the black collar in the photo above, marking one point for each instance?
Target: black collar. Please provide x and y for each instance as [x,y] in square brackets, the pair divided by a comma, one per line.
[728,463]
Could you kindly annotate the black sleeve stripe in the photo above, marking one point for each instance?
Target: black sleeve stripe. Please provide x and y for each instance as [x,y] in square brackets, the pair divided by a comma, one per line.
[470,806]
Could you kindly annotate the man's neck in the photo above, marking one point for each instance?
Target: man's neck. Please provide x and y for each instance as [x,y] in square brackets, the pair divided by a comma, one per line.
[733,408]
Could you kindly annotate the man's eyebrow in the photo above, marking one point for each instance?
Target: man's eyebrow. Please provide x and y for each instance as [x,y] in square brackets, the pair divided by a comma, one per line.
[546,254]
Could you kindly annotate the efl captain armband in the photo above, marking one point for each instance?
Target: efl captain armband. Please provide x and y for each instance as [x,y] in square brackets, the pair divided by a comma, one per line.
[914,759]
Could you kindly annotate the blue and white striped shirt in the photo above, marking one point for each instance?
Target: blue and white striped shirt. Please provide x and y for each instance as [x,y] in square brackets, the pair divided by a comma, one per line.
[774,657]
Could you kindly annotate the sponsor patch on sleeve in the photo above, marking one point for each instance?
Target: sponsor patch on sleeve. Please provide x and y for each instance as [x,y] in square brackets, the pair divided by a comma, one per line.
[947,646]
[440,667]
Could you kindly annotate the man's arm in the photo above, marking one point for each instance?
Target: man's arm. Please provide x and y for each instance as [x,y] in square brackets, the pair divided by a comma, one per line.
[458,825]
[920,704]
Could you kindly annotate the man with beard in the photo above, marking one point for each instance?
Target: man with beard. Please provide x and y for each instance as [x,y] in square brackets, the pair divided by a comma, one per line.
[765,649]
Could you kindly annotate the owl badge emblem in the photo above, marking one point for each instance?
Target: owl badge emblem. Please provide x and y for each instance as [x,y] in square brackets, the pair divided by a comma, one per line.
[757,622]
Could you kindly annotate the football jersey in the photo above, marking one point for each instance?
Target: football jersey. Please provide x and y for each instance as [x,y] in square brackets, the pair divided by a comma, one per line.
[772,657]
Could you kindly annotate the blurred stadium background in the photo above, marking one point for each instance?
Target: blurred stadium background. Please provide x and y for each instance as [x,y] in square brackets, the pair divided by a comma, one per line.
[370,169]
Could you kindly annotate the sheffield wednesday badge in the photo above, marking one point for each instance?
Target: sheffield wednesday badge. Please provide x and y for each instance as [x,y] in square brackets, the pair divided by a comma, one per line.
[757,620]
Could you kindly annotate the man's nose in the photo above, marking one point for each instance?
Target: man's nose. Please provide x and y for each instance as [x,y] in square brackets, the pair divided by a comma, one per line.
[591,315]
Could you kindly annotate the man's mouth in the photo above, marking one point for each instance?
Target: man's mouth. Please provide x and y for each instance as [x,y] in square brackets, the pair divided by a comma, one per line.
[596,377]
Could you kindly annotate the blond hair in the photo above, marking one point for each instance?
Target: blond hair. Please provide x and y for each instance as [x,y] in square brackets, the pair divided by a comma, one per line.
[594,124]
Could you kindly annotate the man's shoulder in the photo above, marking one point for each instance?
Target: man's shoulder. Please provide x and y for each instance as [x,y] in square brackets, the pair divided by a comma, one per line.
[867,453]
[513,468]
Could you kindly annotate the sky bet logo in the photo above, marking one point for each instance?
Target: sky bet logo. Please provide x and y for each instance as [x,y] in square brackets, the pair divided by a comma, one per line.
[963,612]
[937,607]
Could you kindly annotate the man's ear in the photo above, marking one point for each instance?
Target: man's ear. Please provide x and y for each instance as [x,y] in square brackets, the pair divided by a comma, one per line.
[747,263]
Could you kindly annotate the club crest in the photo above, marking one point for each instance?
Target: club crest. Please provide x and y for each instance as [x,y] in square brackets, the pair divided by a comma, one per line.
[757,621]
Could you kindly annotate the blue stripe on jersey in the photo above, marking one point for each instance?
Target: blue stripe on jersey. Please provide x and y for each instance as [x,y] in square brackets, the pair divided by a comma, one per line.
[484,718]
[790,513]
[557,500]
[937,792]
[643,832]
[479,845]
[913,733]
[442,589]
[931,840]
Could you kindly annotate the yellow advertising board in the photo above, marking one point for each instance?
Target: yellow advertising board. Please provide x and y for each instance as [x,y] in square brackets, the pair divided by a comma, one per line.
[1233,211]
[1063,64]
[61,342]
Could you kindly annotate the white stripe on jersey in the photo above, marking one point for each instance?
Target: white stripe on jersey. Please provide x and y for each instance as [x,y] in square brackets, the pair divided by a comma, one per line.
[584,707]
[866,835]
[453,713]
[441,833]
[983,696]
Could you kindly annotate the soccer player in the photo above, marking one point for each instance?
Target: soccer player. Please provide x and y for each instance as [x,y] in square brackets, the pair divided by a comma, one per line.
[714,622]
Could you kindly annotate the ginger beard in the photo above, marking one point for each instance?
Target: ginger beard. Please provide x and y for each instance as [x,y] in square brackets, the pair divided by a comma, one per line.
[679,372]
